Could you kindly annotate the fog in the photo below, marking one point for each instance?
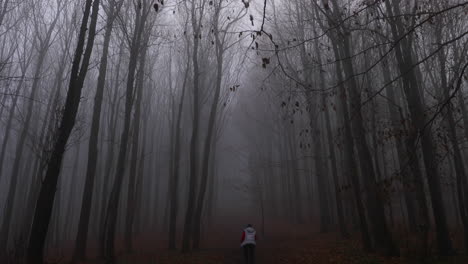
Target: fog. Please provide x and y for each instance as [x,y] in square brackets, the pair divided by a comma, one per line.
[146,128]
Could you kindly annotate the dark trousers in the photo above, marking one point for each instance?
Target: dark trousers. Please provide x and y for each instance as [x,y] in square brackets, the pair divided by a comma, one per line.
[249,254]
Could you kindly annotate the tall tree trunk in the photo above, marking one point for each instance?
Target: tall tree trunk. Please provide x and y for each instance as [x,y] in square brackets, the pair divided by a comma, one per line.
[191,203]
[44,140]
[112,128]
[375,206]
[219,46]
[331,150]
[130,214]
[87,196]
[462,186]
[46,197]
[403,51]
[69,217]
[405,159]
[349,159]
[139,208]
[15,175]
[110,221]
[350,164]
[374,200]
[322,184]
[296,184]
[174,180]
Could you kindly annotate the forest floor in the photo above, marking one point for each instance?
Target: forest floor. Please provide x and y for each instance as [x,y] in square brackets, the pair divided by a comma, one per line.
[316,249]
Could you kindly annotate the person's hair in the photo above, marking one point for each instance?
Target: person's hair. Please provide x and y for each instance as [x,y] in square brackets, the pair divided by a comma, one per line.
[249,225]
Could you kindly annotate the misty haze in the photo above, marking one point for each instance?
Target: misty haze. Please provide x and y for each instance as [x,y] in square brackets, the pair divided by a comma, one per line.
[233,131]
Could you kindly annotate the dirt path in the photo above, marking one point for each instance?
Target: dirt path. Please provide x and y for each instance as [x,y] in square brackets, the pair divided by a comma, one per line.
[233,257]
[314,249]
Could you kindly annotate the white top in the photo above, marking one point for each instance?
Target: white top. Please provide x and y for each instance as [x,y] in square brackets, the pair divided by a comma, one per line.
[249,233]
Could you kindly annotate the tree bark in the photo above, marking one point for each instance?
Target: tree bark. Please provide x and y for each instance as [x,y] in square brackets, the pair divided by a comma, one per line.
[191,203]
[46,197]
[131,205]
[219,46]
[462,186]
[376,213]
[349,160]
[87,196]
[331,150]
[110,221]
[174,180]
[15,175]
[403,51]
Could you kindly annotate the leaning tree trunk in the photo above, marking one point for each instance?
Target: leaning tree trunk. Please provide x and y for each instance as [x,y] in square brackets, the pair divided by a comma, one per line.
[110,220]
[404,56]
[339,204]
[349,159]
[462,187]
[39,166]
[15,175]
[46,197]
[374,201]
[87,197]
[376,213]
[406,159]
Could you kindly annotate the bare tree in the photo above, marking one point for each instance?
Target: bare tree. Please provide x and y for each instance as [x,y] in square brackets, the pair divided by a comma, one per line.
[44,44]
[80,249]
[46,197]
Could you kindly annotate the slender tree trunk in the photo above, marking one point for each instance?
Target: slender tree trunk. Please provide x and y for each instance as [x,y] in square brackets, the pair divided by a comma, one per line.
[295,177]
[350,162]
[46,197]
[331,150]
[72,189]
[192,185]
[139,209]
[174,181]
[9,123]
[462,186]
[415,178]
[376,211]
[209,136]
[44,140]
[130,214]
[110,221]
[211,199]
[43,49]
[403,51]
[87,196]
[112,128]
